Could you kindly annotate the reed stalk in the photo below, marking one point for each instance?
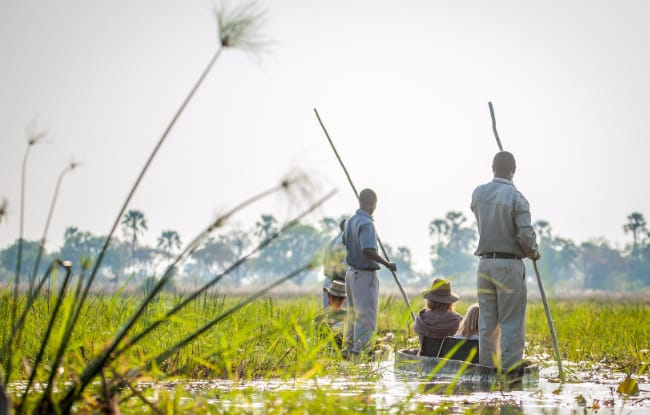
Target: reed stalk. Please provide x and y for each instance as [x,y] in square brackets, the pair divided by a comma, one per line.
[41,248]
[236,30]
[33,138]
[67,265]
[67,333]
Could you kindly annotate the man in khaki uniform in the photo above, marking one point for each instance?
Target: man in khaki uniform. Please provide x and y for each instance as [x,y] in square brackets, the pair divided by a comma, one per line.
[505,237]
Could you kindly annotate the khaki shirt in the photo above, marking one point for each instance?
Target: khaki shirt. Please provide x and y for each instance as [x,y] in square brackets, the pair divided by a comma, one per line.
[503,217]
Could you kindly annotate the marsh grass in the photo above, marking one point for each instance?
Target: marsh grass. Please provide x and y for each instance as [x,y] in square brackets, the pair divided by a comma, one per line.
[271,338]
[613,334]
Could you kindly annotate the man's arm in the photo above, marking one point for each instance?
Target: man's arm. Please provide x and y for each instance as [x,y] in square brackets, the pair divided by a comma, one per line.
[526,236]
[372,254]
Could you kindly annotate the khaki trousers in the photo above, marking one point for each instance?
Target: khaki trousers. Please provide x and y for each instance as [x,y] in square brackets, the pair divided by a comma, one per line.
[502,294]
[362,289]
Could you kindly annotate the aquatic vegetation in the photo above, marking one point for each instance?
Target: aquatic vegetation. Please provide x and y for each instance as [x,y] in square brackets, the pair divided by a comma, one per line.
[265,339]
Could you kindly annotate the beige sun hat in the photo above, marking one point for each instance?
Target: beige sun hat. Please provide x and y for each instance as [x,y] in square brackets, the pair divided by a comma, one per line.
[441,292]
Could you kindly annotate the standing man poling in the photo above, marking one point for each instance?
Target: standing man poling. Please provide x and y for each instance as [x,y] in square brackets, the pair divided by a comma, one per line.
[506,236]
[361,280]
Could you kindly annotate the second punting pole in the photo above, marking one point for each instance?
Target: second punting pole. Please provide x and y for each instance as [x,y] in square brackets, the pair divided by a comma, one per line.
[356,194]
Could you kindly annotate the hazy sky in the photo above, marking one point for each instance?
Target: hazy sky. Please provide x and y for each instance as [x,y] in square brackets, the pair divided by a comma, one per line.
[401,86]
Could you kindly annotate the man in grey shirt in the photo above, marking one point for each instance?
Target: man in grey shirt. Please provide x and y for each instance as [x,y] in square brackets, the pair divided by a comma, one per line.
[505,237]
[362,284]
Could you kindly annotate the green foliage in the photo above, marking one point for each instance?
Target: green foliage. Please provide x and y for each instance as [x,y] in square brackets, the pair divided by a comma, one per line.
[613,333]
[288,251]
[275,339]
[9,256]
[452,250]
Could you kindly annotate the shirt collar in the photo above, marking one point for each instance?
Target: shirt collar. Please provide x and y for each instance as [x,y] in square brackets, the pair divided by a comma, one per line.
[364,213]
[503,181]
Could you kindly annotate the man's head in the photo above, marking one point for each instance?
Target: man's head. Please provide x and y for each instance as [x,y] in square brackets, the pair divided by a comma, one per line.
[368,200]
[503,165]
[336,294]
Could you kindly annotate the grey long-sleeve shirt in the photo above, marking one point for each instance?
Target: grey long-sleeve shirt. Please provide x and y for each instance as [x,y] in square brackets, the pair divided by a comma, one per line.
[503,217]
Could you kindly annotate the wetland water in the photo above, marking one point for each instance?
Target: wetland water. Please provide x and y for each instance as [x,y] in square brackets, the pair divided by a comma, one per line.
[389,391]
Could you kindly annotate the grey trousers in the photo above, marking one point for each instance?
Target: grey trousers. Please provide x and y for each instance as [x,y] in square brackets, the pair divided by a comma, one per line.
[362,289]
[502,294]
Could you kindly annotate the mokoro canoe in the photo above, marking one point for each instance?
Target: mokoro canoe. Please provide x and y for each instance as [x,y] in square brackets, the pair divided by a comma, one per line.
[407,360]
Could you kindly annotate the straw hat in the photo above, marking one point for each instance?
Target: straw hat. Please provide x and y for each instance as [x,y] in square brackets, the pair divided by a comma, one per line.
[337,289]
[441,292]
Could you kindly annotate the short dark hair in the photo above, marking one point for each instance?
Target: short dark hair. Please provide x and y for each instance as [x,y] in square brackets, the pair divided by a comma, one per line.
[436,305]
[367,196]
[503,163]
[336,300]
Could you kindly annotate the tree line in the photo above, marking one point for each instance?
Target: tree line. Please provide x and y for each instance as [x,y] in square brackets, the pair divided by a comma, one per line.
[564,265]
[595,264]
[129,261]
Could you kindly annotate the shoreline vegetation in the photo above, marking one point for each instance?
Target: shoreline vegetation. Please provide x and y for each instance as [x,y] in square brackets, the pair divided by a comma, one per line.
[273,338]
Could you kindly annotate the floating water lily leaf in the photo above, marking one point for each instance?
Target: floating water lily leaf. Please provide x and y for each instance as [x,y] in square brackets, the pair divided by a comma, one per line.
[580,400]
[628,386]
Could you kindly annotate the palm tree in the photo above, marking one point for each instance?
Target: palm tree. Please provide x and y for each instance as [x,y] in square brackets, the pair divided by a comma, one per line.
[636,224]
[265,226]
[71,166]
[440,227]
[169,241]
[133,224]
[543,228]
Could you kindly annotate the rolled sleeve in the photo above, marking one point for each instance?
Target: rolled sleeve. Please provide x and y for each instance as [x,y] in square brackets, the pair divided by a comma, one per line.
[526,236]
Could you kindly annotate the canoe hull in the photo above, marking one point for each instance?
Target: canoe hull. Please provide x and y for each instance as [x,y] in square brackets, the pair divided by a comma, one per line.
[407,360]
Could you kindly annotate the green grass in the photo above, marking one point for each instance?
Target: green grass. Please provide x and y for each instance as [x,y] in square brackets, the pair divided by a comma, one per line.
[612,333]
[274,339]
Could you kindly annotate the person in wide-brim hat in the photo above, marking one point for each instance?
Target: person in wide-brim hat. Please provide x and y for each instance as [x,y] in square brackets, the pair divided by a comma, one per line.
[441,292]
[334,315]
[337,289]
[438,318]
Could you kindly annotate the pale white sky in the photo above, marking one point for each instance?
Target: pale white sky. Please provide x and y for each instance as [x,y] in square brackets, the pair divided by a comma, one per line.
[402,87]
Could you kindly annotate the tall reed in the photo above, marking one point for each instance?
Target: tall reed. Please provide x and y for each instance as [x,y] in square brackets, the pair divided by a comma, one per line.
[71,166]
[237,29]
[33,138]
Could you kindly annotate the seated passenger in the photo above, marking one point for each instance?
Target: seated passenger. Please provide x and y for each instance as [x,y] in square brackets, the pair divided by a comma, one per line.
[333,316]
[438,318]
[334,265]
[468,328]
